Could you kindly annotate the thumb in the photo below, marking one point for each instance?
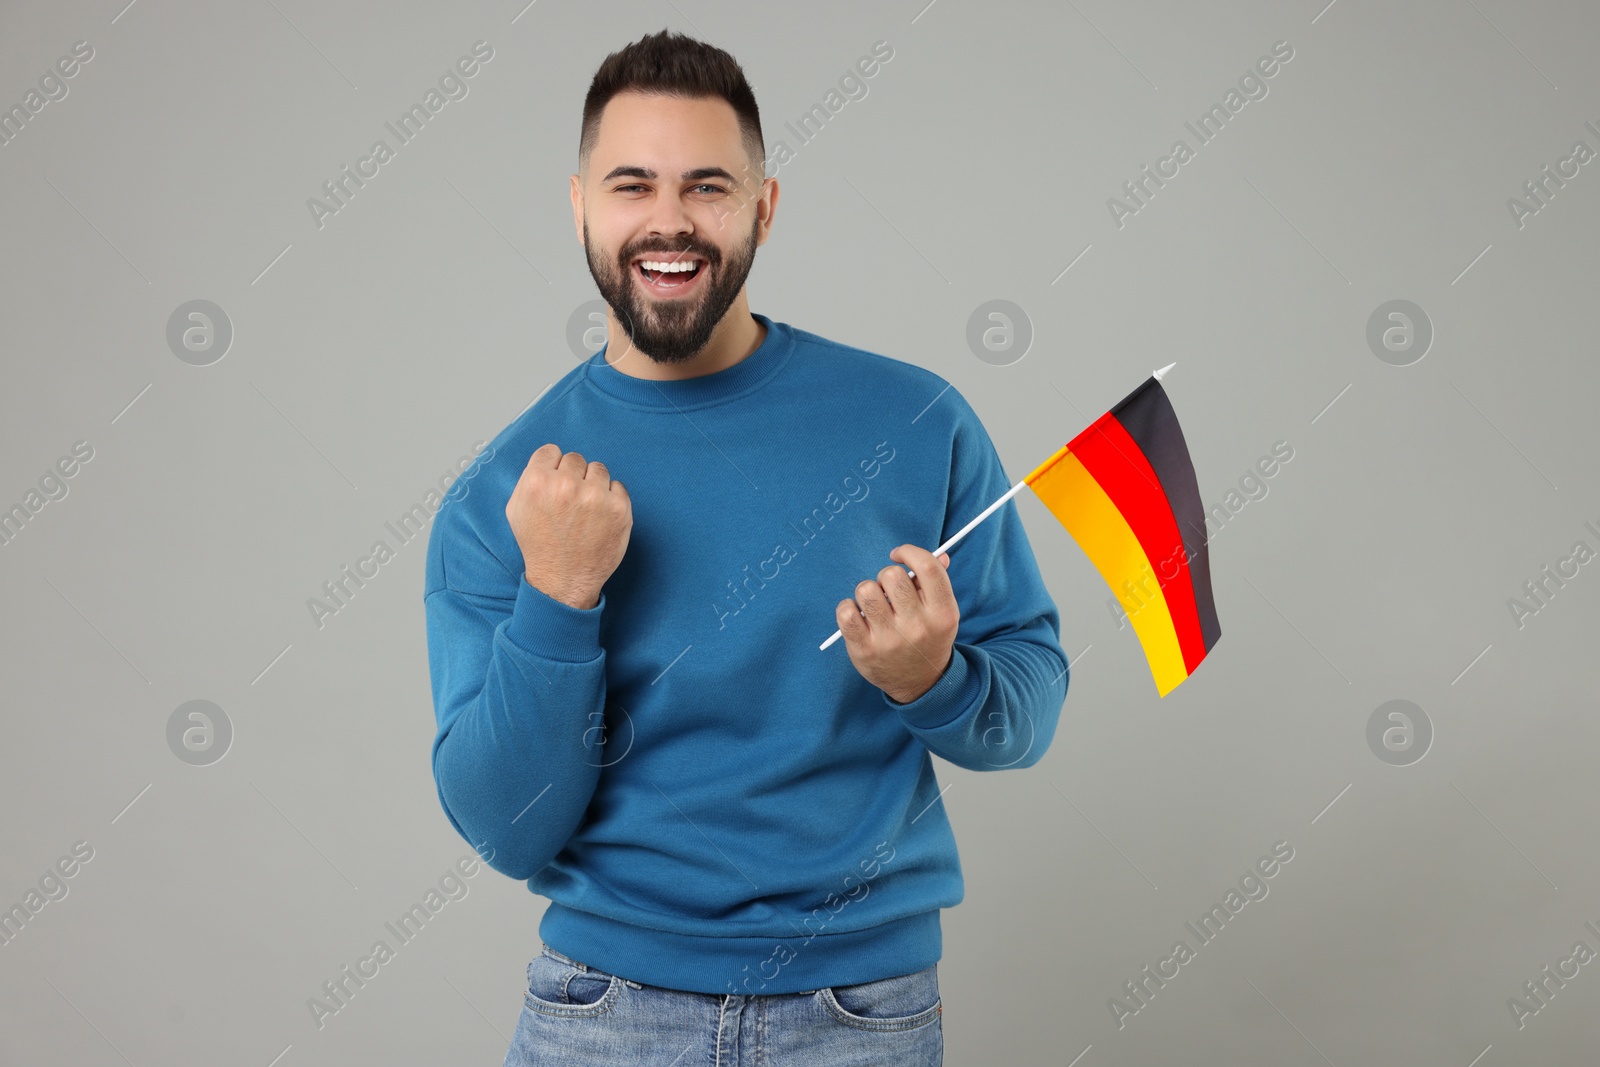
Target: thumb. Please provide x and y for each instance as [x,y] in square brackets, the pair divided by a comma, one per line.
[945,559]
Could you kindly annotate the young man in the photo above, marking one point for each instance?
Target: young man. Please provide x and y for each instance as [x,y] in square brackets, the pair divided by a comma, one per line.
[740,835]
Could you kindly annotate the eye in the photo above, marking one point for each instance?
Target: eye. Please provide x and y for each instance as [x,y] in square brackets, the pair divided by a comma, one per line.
[623,188]
[713,188]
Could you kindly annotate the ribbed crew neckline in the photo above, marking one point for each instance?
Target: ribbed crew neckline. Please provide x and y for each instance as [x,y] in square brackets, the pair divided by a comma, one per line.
[727,384]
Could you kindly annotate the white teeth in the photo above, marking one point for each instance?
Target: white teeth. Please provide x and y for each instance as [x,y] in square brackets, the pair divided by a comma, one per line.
[668,268]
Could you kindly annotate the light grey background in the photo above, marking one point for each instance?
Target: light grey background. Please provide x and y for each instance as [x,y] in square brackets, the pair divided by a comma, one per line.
[370,354]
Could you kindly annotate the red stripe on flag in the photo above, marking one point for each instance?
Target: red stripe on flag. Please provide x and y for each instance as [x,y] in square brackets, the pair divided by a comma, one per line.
[1116,461]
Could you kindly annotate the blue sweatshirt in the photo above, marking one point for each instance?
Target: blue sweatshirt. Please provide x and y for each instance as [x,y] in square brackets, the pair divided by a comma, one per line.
[709,802]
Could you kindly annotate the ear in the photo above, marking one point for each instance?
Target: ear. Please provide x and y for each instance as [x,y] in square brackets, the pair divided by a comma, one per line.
[577,206]
[766,204]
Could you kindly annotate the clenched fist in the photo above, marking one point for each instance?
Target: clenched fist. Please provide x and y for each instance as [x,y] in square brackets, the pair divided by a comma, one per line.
[900,630]
[572,522]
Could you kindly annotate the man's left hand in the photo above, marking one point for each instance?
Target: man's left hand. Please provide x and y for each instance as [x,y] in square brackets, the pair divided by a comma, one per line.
[900,630]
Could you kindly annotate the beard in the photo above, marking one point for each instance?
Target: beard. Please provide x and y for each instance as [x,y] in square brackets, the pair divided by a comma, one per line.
[671,330]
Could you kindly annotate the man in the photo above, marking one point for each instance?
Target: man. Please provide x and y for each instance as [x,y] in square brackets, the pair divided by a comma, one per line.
[740,835]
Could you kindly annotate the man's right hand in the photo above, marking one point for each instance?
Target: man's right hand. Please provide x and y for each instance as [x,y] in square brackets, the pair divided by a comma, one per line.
[572,522]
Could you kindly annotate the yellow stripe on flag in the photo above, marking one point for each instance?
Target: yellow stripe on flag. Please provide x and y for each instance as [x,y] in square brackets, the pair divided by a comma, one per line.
[1078,502]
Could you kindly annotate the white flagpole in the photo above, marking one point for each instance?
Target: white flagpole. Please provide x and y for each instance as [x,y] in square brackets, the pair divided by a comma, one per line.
[968,528]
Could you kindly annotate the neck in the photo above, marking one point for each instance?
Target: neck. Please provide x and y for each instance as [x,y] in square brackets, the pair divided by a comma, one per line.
[735,337]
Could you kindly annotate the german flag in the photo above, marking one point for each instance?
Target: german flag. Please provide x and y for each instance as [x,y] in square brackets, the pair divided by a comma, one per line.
[1125,490]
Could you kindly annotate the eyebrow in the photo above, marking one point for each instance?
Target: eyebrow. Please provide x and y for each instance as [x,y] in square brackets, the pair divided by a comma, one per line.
[695,175]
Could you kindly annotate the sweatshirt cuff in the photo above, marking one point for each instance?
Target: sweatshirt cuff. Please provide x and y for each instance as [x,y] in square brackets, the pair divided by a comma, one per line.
[951,695]
[546,627]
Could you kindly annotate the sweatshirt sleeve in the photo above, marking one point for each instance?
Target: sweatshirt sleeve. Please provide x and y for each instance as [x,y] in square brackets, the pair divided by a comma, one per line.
[997,704]
[518,683]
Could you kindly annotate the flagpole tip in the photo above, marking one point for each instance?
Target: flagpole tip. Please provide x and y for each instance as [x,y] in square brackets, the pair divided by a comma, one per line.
[1157,374]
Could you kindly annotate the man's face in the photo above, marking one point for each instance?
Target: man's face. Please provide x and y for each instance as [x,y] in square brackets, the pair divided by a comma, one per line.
[669,183]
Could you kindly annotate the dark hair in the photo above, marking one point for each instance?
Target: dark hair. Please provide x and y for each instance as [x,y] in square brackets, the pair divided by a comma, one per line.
[674,64]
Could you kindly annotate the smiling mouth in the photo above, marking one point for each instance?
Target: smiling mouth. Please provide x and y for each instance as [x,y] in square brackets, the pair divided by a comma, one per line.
[666,275]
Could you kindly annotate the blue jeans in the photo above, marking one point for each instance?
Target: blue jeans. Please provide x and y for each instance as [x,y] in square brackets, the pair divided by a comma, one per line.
[576,1015]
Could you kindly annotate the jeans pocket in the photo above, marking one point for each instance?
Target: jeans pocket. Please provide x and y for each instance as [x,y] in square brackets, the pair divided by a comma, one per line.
[904,1002]
[557,987]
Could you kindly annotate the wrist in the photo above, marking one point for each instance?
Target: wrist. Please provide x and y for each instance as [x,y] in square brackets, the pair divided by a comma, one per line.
[582,600]
[903,697]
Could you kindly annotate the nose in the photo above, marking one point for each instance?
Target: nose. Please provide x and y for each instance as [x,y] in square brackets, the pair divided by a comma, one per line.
[668,219]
